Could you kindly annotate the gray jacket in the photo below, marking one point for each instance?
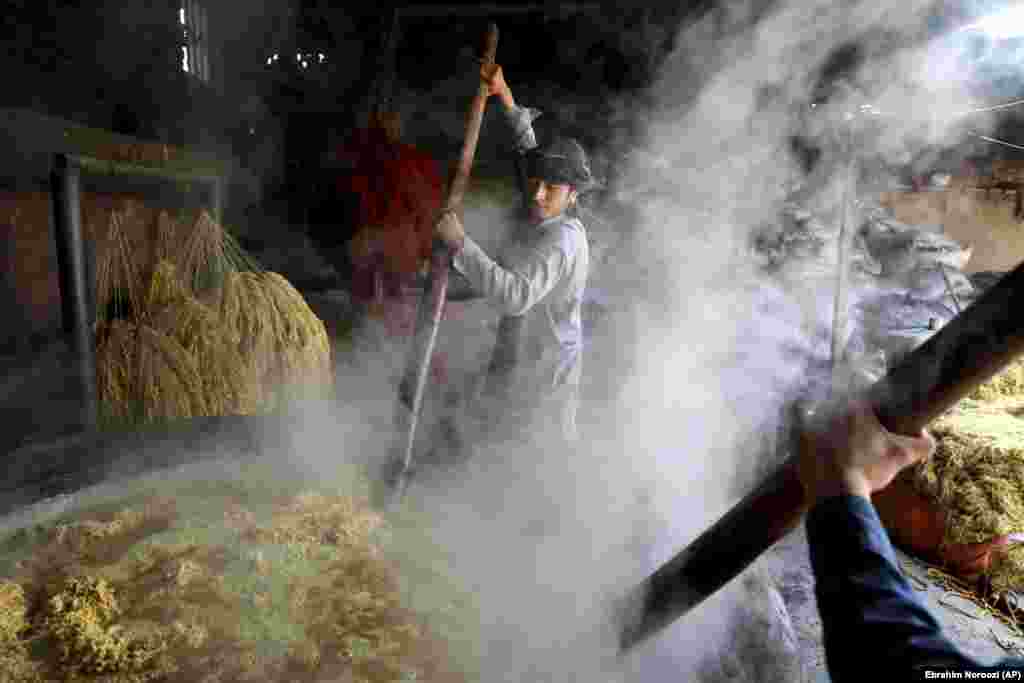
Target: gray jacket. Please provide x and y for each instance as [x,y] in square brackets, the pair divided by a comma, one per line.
[540,274]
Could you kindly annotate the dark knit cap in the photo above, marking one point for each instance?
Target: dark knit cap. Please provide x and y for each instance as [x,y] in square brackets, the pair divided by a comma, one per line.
[563,161]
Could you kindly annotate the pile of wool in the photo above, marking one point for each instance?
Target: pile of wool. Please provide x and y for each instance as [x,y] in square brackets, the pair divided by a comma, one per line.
[977,472]
[80,618]
[253,579]
[311,519]
[15,664]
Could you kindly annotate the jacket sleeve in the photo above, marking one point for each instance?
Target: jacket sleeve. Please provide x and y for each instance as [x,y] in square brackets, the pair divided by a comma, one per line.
[520,121]
[515,290]
[872,620]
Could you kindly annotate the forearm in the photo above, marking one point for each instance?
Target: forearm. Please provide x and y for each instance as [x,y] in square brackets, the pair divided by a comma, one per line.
[866,603]
[514,291]
[520,121]
[507,101]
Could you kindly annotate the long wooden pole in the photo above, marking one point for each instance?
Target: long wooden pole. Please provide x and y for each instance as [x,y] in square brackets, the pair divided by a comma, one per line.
[428,315]
[844,246]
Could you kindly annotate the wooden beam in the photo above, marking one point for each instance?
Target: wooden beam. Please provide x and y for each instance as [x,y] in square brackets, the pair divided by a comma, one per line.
[494,9]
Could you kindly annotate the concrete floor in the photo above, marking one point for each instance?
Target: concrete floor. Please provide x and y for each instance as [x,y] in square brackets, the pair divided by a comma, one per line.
[38,398]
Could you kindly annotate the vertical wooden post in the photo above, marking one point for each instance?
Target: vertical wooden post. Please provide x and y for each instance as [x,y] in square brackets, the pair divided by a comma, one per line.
[65,183]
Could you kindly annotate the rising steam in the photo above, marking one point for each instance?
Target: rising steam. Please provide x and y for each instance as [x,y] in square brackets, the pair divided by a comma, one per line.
[719,348]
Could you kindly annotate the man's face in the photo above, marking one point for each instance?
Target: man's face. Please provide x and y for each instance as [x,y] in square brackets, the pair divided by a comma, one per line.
[548,200]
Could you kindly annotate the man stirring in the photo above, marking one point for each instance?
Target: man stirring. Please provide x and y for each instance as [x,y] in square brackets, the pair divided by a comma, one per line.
[539,278]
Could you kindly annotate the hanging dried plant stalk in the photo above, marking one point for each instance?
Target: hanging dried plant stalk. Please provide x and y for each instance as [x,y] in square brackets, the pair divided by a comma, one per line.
[145,375]
[284,341]
[251,320]
[115,370]
[169,384]
[208,254]
[168,233]
[118,283]
[165,288]
[230,384]
[305,350]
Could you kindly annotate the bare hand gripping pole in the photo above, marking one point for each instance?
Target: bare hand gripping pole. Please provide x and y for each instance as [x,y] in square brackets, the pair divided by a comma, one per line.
[431,306]
[968,351]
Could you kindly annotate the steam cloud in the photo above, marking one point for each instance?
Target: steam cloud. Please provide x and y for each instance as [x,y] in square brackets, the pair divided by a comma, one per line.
[718,347]
[547,537]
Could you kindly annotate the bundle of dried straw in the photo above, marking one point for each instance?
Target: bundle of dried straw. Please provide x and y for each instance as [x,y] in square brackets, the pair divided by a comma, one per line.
[229,384]
[146,376]
[208,334]
[976,476]
[285,343]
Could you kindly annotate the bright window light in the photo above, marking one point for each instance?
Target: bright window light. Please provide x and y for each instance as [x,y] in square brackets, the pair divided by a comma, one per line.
[1006,24]
[195,53]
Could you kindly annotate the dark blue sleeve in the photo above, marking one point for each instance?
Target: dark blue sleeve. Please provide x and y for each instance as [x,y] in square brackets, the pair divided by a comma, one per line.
[872,620]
